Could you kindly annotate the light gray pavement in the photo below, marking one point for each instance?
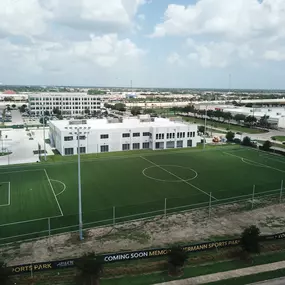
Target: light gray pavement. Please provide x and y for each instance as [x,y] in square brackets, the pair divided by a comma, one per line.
[204,279]
[19,143]
[279,281]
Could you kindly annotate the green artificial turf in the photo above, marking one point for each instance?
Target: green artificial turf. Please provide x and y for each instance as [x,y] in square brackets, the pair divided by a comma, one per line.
[128,187]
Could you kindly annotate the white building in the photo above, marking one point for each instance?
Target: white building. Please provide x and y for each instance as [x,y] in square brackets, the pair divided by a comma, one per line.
[129,134]
[68,103]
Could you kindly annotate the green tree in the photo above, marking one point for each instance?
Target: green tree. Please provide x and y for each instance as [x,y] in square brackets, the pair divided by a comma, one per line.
[87,111]
[247,141]
[14,106]
[44,120]
[250,120]
[46,113]
[201,129]
[239,117]
[136,110]
[120,107]
[263,122]
[5,274]
[189,109]
[176,260]
[267,145]
[250,240]
[56,111]
[230,136]
[227,116]
[23,108]
[219,114]
[147,111]
[89,270]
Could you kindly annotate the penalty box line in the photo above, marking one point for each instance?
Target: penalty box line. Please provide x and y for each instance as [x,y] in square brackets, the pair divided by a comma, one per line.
[257,163]
[9,194]
[176,176]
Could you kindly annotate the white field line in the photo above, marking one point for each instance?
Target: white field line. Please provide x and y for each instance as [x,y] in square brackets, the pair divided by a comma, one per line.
[19,171]
[257,163]
[8,204]
[177,177]
[28,221]
[9,193]
[64,186]
[53,192]
[275,159]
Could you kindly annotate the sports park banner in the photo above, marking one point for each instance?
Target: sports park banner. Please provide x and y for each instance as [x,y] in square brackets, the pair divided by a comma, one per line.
[134,255]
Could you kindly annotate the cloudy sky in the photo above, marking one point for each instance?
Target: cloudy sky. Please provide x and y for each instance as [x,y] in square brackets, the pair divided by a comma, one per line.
[158,43]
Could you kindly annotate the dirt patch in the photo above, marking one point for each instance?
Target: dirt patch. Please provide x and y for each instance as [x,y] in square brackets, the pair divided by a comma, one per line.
[194,226]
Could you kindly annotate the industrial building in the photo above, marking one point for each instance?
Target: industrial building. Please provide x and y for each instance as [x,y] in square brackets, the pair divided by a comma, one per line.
[108,135]
[69,104]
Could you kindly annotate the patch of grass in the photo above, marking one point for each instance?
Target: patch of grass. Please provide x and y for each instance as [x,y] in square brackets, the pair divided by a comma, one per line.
[279,138]
[226,126]
[194,271]
[251,278]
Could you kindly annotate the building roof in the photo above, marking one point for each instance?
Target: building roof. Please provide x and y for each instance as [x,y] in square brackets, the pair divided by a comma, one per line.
[104,124]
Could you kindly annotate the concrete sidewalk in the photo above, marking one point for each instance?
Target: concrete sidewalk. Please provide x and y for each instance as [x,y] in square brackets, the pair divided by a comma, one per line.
[228,274]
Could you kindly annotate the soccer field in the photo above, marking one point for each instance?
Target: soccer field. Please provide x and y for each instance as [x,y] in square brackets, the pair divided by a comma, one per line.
[39,199]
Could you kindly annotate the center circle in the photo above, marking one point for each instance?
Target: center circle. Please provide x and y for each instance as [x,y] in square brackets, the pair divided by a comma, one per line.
[174,178]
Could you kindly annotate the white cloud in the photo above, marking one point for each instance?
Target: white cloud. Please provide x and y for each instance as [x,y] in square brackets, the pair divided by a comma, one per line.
[26,18]
[175,58]
[96,15]
[235,19]
[274,55]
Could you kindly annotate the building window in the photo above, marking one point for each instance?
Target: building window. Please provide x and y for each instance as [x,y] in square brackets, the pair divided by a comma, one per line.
[82,149]
[193,134]
[136,146]
[66,139]
[105,136]
[189,143]
[146,145]
[136,134]
[157,136]
[179,144]
[183,134]
[104,148]
[188,135]
[126,146]
[126,135]
[146,134]
[82,137]
[68,151]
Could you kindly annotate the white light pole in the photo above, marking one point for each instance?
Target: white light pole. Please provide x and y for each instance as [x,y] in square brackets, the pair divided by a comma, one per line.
[78,129]
[44,132]
[205,127]
[79,187]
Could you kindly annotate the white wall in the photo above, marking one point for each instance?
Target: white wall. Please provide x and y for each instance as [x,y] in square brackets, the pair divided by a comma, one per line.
[93,142]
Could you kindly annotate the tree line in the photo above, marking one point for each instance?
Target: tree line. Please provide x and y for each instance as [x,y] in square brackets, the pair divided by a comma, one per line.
[222,116]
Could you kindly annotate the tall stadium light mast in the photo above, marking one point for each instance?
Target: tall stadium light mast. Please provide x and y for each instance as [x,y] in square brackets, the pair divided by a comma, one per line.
[44,132]
[77,133]
[205,126]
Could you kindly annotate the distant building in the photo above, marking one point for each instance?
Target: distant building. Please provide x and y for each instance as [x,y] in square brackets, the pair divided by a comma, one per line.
[105,135]
[69,104]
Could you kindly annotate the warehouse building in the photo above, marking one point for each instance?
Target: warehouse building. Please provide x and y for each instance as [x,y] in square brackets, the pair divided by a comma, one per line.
[69,104]
[108,135]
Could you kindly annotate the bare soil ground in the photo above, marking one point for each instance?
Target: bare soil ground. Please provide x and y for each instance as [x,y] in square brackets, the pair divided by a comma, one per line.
[195,226]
